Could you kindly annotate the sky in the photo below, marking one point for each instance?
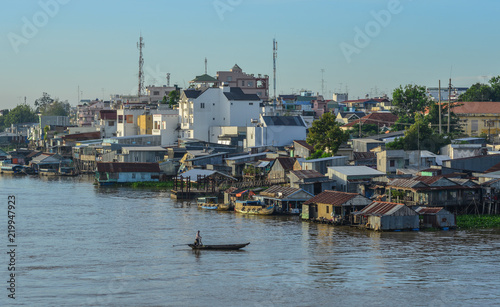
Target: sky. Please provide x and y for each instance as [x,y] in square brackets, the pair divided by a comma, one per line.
[88,48]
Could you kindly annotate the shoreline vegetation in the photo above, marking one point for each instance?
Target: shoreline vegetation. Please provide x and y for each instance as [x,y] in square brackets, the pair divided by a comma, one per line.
[478,221]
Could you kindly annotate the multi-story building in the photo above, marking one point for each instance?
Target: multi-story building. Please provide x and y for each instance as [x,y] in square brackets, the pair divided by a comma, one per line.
[156,93]
[88,112]
[248,83]
[199,110]
[166,126]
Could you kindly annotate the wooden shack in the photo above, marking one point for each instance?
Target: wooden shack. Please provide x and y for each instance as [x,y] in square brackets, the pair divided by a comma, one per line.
[436,217]
[387,216]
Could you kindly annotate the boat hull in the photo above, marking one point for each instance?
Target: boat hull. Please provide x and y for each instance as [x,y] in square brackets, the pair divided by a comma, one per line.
[218,247]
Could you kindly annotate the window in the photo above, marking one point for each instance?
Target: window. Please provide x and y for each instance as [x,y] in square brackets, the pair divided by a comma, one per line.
[213,118]
[202,105]
[133,176]
[327,209]
[250,104]
[111,123]
[474,125]
[156,93]
[391,163]
[120,119]
[136,159]
[250,83]
[229,78]
[242,83]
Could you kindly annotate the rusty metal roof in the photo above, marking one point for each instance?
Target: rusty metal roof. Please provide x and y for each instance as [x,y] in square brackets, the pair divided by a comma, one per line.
[328,197]
[286,163]
[274,190]
[381,208]
[124,167]
[429,210]
[304,144]
[406,183]
[364,155]
[307,174]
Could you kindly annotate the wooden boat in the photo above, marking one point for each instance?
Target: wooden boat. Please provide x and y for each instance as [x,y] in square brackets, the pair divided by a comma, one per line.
[218,247]
[253,207]
[211,203]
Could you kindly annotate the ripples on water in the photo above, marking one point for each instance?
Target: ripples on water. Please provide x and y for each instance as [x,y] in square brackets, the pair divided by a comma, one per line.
[84,245]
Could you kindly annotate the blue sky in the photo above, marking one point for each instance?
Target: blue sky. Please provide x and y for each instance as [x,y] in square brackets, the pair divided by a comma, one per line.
[92,44]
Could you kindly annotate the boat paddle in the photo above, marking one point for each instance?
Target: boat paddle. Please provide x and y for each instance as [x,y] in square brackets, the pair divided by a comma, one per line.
[179,245]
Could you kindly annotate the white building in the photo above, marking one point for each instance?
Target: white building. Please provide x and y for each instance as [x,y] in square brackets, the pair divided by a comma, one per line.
[166,126]
[276,131]
[199,110]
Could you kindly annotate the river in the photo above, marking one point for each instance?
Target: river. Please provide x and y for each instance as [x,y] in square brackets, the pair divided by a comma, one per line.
[78,245]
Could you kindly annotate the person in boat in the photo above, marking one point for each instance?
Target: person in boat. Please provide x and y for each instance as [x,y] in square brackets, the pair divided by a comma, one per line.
[197,240]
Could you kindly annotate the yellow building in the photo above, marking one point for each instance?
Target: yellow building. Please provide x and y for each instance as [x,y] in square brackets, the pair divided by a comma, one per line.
[145,124]
[478,117]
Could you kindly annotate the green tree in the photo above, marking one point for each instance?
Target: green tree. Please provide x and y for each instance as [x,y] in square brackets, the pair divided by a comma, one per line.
[366,130]
[173,98]
[21,114]
[421,136]
[483,92]
[433,119]
[56,108]
[42,102]
[325,134]
[407,102]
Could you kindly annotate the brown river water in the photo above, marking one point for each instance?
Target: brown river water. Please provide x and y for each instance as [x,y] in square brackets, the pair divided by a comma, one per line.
[81,245]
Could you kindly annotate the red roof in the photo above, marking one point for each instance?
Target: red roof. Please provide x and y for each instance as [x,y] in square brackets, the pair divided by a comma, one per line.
[83,136]
[331,198]
[379,119]
[124,167]
[476,107]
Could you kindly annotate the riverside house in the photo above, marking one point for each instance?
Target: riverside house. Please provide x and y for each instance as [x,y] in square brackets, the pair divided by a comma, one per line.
[387,216]
[333,206]
[109,173]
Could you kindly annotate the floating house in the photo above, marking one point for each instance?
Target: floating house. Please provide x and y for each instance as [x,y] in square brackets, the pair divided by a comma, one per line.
[436,217]
[333,206]
[310,181]
[109,173]
[284,199]
[387,216]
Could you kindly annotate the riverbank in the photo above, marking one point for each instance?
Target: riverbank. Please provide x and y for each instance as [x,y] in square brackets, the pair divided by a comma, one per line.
[478,221]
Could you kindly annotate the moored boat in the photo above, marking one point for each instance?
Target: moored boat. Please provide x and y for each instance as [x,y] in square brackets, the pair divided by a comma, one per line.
[218,247]
[253,207]
[211,203]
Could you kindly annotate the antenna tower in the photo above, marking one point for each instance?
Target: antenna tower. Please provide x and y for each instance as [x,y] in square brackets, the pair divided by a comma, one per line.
[205,66]
[275,56]
[168,79]
[140,44]
[322,82]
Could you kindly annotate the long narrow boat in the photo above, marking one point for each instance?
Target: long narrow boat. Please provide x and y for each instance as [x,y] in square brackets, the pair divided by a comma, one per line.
[253,207]
[219,247]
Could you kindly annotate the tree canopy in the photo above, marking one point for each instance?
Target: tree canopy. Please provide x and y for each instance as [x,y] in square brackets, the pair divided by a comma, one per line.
[50,107]
[21,114]
[483,92]
[173,98]
[407,102]
[420,136]
[326,136]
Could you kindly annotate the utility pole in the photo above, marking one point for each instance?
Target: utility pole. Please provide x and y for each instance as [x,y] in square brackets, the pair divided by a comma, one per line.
[439,95]
[275,56]
[140,44]
[322,83]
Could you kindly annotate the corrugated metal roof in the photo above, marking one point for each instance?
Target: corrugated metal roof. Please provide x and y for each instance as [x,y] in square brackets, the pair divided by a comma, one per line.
[406,183]
[307,174]
[304,144]
[274,190]
[429,210]
[380,208]
[286,163]
[364,155]
[331,198]
[356,170]
[125,167]
[283,121]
